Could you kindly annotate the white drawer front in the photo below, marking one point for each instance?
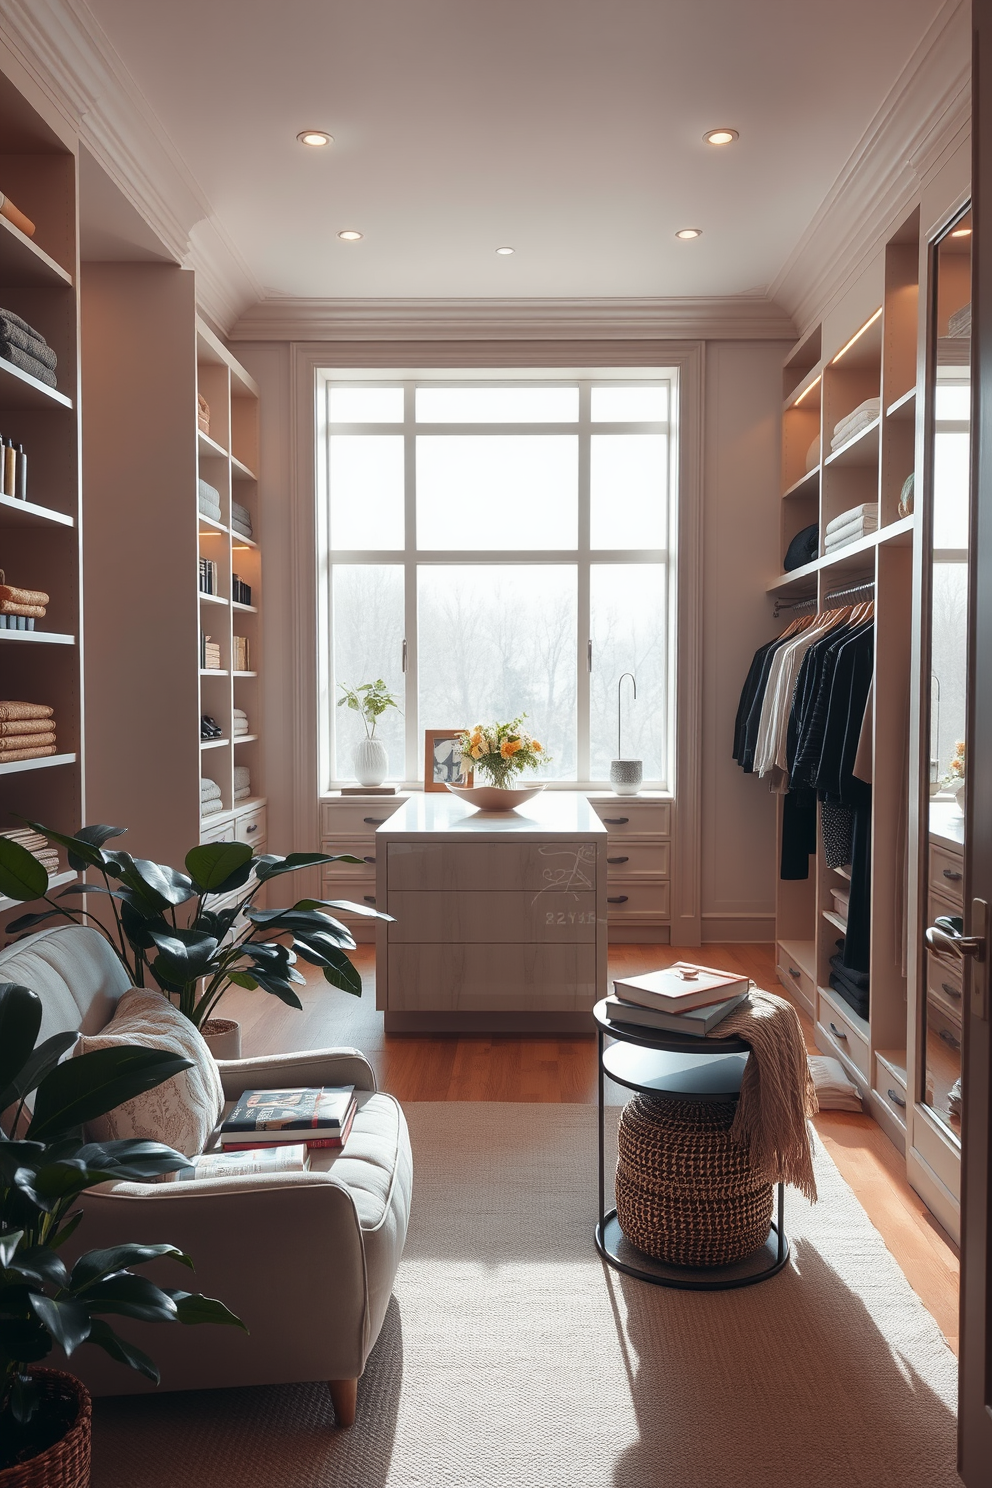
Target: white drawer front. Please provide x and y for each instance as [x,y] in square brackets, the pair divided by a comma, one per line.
[351,818]
[566,867]
[633,818]
[844,1036]
[249,826]
[947,874]
[349,872]
[492,978]
[223,832]
[457,918]
[796,980]
[633,899]
[637,859]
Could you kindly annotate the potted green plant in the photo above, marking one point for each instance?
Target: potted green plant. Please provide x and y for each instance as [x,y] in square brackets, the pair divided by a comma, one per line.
[369,701]
[193,956]
[45,1164]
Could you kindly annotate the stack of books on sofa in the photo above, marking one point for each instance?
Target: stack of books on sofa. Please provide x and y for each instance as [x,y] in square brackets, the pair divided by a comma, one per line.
[683,998]
[27,731]
[319,1116]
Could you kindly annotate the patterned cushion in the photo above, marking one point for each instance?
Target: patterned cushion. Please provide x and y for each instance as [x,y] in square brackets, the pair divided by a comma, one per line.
[183,1111]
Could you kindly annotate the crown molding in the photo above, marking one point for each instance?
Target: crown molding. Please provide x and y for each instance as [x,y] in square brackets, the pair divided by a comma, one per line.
[64,49]
[926,113]
[706,317]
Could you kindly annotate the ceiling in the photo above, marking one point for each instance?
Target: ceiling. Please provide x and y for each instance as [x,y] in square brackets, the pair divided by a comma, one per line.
[569,129]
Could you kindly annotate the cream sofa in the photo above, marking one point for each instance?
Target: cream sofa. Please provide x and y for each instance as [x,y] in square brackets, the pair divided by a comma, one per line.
[307,1260]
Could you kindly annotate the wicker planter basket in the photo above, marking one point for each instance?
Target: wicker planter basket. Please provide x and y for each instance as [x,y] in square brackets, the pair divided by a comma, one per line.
[66,1463]
[686,1194]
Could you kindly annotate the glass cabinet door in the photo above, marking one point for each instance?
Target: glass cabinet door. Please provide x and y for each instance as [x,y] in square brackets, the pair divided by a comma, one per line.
[946,534]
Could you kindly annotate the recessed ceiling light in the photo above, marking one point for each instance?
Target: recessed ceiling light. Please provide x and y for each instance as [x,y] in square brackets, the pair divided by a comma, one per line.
[505,250]
[689,232]
[349,235]
[720,136]
[961,232]
[315,137]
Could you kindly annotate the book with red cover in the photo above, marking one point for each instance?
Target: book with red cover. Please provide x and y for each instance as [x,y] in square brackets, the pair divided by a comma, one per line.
[684,985]
[290,1140]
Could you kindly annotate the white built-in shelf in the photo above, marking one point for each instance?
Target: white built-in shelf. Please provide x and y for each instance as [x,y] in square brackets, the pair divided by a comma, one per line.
[47,761]
[244,674]
[209,447]
[803,954]
[240,541]
[846,1011]
[245,738]
[807,485]
[23,265]
[250,803]
[835,919]
[27,514]
[213,743]
[249,609]
[55,882]
[20,390]
[895,1062]
[800,391]
[862,449]
[851,558]
[214,526]
[240,471]
[213,672]
[903,408]
[212,598]
[39,637]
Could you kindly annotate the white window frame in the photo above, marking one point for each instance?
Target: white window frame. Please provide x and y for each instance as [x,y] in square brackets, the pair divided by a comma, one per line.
[583,557]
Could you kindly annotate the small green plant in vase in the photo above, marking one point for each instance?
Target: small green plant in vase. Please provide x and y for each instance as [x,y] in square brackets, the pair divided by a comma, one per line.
[369,701]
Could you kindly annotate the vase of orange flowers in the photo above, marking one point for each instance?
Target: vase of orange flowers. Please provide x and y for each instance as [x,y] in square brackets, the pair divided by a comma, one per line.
[501,752]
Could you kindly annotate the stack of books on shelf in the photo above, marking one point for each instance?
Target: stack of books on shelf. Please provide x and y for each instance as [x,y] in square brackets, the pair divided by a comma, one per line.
[240,519]
[209,654]
[27,731]
[208,576]
[683,998]
[27,349]
[240,722]
[241,663]
[20,608]
[240,591]
[37,846]
[318,1116]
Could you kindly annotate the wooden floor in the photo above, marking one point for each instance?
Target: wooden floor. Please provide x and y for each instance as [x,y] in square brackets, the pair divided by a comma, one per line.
[547,1069]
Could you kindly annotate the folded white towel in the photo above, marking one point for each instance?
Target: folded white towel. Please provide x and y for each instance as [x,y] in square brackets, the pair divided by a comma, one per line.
[242,776]
[868,510]
[866,413]
[243,794]
[209,789]
[858,527]
[239,712]
[210,808]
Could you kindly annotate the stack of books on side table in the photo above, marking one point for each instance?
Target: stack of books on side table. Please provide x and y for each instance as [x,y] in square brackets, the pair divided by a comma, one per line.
[683,998]
[316,1116]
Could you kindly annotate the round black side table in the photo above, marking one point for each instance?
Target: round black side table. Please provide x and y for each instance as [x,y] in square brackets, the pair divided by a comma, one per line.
[686,1067]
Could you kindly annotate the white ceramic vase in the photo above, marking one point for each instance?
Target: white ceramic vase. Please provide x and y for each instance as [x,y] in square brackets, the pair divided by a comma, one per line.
[371,762]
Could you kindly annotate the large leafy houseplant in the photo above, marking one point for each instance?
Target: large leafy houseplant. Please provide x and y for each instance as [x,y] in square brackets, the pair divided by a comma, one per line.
[45,1164]
[195,957]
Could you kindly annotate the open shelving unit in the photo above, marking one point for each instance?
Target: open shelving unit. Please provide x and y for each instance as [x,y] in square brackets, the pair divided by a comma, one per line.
[40,537]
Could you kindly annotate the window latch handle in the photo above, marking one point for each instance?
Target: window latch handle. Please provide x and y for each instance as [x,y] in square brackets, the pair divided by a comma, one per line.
[589,654]
[404,654]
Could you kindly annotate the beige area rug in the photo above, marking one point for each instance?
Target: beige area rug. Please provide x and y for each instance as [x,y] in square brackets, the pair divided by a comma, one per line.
[513,1358]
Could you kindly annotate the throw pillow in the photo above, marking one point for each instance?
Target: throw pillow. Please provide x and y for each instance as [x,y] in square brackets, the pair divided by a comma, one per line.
[834,1091]
[183,1111]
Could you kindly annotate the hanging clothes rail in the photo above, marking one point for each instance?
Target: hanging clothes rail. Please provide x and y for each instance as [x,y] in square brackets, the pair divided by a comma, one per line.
[865,588]
[801,606]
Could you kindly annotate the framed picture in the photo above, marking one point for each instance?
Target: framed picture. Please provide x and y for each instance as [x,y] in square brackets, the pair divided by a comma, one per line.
[443,763]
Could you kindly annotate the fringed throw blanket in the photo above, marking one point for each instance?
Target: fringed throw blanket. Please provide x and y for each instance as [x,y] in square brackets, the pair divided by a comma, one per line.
[777,1094]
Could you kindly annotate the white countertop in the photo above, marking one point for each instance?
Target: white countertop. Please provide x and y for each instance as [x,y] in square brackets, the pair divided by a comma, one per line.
[947,822]
[551,814]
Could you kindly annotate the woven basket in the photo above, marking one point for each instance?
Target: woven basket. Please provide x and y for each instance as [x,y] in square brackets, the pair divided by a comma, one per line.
[66,1463]
[687,1194]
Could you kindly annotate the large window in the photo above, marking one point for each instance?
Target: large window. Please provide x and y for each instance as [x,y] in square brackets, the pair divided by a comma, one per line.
[493,545]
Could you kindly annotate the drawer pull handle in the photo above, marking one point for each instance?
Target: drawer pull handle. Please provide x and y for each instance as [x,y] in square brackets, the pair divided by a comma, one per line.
[951,991]
[369,898]
[618,860]
[617,899]
[375,821]
[837,1032]
[949,1039]
[252,828]
[794,973]
[615,821]
[369,860]
[953,875]
[896,1098]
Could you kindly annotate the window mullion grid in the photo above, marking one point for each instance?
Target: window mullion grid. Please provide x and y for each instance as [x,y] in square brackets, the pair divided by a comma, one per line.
[583,617]
[411,727]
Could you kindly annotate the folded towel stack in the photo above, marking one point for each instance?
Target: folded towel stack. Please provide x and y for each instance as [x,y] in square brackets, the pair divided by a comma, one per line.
[850,525]
[37,846]
[866,413]
[240,722]
[211,800]
[27,731]
[959,324]
[209,500]
[240,653]
[242,783]
[26,348]
[240,519]
[20,608]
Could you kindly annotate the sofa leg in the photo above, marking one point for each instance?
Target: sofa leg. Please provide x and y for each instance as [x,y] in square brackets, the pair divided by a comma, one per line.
[344,1398]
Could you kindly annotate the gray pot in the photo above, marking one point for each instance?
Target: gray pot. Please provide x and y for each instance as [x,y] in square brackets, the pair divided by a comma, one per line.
[626,776]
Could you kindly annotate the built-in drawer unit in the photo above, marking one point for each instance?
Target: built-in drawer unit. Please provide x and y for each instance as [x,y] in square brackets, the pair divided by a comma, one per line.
[249,826]
[220,832]
[944,991]
[338,873]
[632,899]
[796,978]
[473,918]
[543,868]
[638,861]
[348,825]
[631,816]
[840,1031]
[354,817]
[891,1091]
[498,978]
[947,874]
